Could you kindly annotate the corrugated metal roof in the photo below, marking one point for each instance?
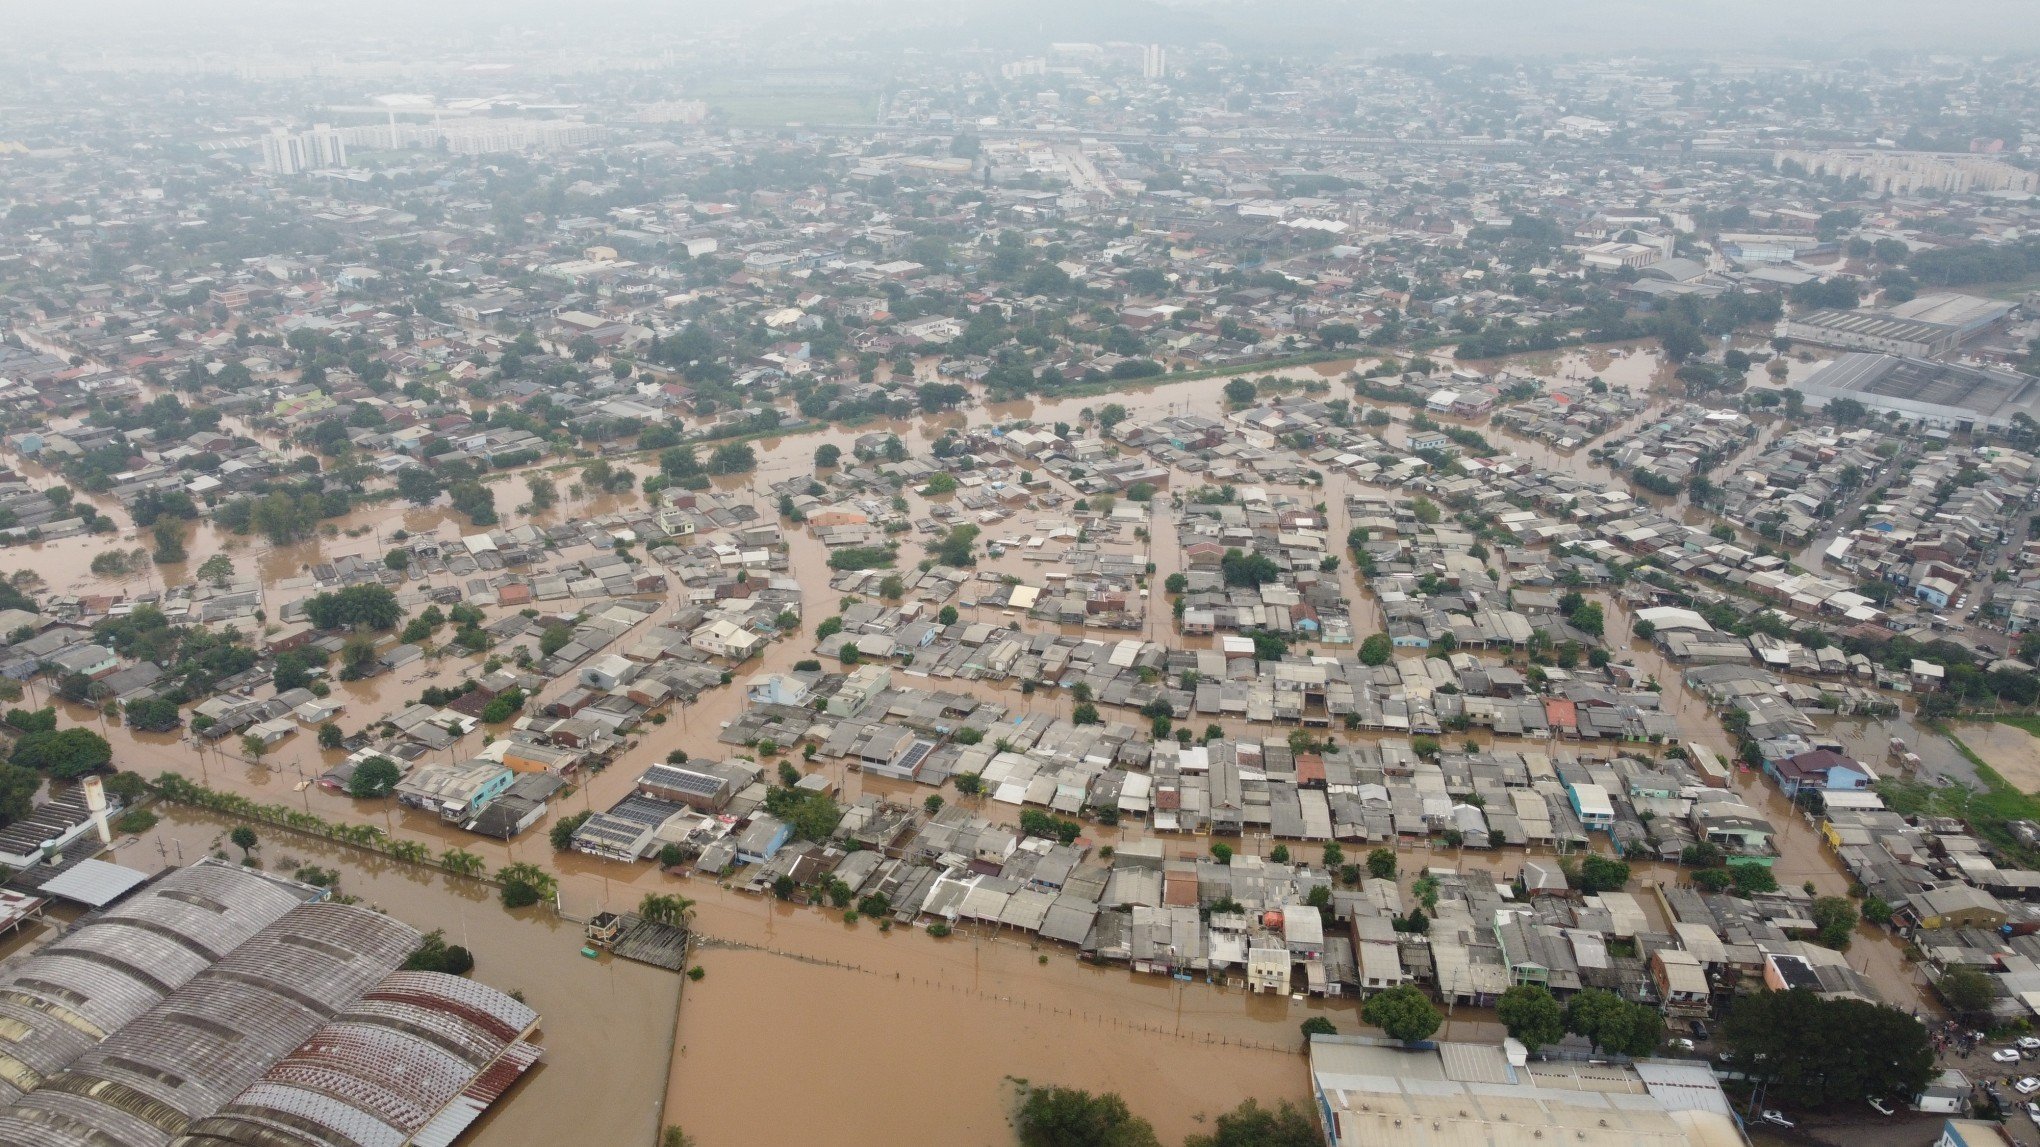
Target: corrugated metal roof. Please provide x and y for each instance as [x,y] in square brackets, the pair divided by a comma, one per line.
[94,883]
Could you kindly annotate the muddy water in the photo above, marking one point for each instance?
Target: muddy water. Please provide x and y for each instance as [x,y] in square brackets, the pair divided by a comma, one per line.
[949,1049]
[2013,752]
[607,1023]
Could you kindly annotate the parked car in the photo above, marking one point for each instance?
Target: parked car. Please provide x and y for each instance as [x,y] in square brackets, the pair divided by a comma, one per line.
[1776,1118]
[2027,1086]
[2029,1043]
[1699,1030]
[1880,1107]
[2004,1055]
[1681,1044]
[2033,1111]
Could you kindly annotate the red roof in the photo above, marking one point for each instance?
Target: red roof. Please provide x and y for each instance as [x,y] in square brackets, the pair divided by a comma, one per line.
[1561,714]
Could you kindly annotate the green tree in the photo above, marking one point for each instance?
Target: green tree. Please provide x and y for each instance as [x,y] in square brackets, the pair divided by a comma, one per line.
[330,735]
[1376,650]
[1067,1117]
[1751,879]
[243,838]
[1602,874]
[434,954]
[418,485]
[375,777]
[217,570]
[1531,1015]
[1968,991]
[827,455]
[1835,917]
[1814,1052]
[1612,1023]
[1318,1025]
[368,606]
[1402,1013]
[732,458]
[525,884]
[1381,864]
[152,715]
[1240,391]
[555,638]
[63,753]
[503,706]
[1252,1125]
[18,787]
[169,543]
[811,815]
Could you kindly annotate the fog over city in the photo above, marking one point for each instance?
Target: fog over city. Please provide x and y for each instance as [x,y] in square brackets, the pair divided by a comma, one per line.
[1813,28]
[1078,573]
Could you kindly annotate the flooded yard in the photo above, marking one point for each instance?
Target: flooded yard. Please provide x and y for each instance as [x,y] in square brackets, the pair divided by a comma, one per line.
[899,1055]
[2012,751]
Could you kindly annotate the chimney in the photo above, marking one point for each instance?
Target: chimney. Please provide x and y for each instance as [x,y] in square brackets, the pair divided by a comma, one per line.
[95,799]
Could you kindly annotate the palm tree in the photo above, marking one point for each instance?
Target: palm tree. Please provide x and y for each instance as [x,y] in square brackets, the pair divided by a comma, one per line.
[660,909]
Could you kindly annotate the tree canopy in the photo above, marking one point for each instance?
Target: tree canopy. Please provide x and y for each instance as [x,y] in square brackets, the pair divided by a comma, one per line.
[1403,1013]
[1817,1052]
[1532,1015]
[63,753]
[1068,1117]
[1252,1125]
[374,777]
[1612,1023]
[1377,649]
[373,606]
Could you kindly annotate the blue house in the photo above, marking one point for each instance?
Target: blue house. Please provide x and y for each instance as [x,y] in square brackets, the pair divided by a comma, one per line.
[762,839]
[1408,635]
[1819,770]
[1936,591]
[1596,811]
[778,689]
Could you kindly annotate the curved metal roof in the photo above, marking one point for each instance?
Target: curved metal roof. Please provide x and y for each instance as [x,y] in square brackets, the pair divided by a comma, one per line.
[380,1073]
[112,967]
[184,1058]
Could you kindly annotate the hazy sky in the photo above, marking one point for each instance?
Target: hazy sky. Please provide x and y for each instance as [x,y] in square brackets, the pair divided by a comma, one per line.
[1718,27]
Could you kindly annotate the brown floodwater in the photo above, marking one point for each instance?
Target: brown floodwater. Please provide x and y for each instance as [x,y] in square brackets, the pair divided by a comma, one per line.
[890,1054]
[971,1010]
[2012,751]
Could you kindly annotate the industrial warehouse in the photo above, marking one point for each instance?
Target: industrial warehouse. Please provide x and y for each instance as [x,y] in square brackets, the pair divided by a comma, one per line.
[1379,1092]
[1929,326]
[220,1005]
[1942,395]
